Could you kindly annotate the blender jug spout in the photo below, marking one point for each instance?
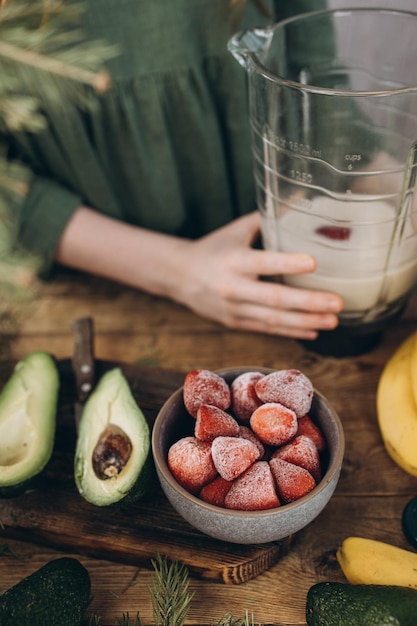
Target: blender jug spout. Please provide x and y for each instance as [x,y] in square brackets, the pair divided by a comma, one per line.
[247,44]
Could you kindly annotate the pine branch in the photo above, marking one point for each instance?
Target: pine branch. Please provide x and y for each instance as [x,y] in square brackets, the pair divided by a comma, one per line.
[99,80]
[170,594]
[171,599]
[44,61]
[45,58]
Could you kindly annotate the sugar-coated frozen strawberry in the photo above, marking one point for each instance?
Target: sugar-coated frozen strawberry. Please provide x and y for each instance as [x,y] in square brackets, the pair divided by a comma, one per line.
[289,387]
[216,491]
[233,455]
[244,398]
[191,463]
[213,422]
[205,387]
[307,427]
[274,423]
[254,490]
[301,451]
[247,433]
[292,481]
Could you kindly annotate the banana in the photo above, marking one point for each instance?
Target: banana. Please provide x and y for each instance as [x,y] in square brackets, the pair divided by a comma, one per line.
[370,562]
[413,367]
[397,406]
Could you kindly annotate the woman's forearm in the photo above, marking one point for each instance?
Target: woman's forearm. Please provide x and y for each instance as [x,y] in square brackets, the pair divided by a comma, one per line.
[127,254]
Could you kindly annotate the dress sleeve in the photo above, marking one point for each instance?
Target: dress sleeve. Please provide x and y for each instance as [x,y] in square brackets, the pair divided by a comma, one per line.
[40,209]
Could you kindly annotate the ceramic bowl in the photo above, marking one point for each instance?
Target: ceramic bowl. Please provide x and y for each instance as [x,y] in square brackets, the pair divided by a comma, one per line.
[245,527]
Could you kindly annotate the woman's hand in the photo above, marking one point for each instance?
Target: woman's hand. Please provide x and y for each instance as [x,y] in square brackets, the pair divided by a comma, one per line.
[217,276]
[221,279]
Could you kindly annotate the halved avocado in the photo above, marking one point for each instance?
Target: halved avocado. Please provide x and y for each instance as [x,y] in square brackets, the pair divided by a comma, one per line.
[113,451]
[28,405]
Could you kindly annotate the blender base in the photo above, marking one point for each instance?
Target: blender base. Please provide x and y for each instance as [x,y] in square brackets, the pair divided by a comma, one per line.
[349,341]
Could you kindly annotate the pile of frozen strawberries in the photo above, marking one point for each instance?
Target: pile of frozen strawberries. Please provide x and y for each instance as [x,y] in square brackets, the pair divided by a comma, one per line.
[254,445]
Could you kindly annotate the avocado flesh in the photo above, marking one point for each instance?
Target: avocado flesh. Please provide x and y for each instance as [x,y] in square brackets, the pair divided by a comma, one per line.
[28,405]
[341,604]
[112,416]
[57,594]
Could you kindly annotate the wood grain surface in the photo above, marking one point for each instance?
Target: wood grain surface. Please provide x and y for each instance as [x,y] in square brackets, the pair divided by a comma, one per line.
[54,514]
[143,331]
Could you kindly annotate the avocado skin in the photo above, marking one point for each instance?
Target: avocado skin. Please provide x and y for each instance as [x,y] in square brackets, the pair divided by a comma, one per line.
[342,604]
[57,594]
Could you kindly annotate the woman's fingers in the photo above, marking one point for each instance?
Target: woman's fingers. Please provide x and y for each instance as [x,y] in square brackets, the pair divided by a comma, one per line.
[273,295]
[231,282]
[273,307]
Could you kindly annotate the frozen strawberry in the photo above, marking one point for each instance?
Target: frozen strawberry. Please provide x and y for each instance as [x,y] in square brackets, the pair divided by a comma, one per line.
[233,455]
[307,427]
[247,433]
[205,387]
[254,490]
[274,423]
[244,398]
[292,481]
[213,422]
[191,463]
[290,387]
[336,233]
[301,451]
[216,491]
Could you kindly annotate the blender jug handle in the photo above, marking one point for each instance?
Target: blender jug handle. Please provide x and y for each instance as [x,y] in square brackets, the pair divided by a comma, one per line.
[249,43]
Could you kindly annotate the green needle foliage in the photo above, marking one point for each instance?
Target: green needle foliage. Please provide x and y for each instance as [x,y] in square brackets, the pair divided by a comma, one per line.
[171,599]
[44,57]
[170,593]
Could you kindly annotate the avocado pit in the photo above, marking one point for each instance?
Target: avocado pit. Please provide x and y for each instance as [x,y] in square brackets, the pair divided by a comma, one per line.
[111,453]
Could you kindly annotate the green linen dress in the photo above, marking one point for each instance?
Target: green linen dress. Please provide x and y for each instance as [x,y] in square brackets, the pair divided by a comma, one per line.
[168,146]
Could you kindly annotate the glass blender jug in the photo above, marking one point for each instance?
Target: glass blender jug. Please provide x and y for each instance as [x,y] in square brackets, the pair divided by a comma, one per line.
[333,112]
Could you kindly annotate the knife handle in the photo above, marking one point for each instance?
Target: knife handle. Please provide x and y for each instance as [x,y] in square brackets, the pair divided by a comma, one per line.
[83,356]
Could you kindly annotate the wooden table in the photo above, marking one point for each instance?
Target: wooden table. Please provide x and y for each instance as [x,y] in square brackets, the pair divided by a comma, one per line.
[135,328]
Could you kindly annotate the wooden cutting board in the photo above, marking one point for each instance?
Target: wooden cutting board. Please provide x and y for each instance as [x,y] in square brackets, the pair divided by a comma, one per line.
[54,514]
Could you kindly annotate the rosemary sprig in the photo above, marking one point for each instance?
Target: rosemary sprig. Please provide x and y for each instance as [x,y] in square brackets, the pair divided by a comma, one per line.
[171,599]
[169,591]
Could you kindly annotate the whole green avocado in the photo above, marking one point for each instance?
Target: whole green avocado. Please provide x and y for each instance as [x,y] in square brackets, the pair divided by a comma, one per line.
[57,594]
[343,604]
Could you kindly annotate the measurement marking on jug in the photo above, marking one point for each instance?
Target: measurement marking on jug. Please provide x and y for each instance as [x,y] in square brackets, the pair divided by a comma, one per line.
[352,159]
[304,149]
[303,177]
